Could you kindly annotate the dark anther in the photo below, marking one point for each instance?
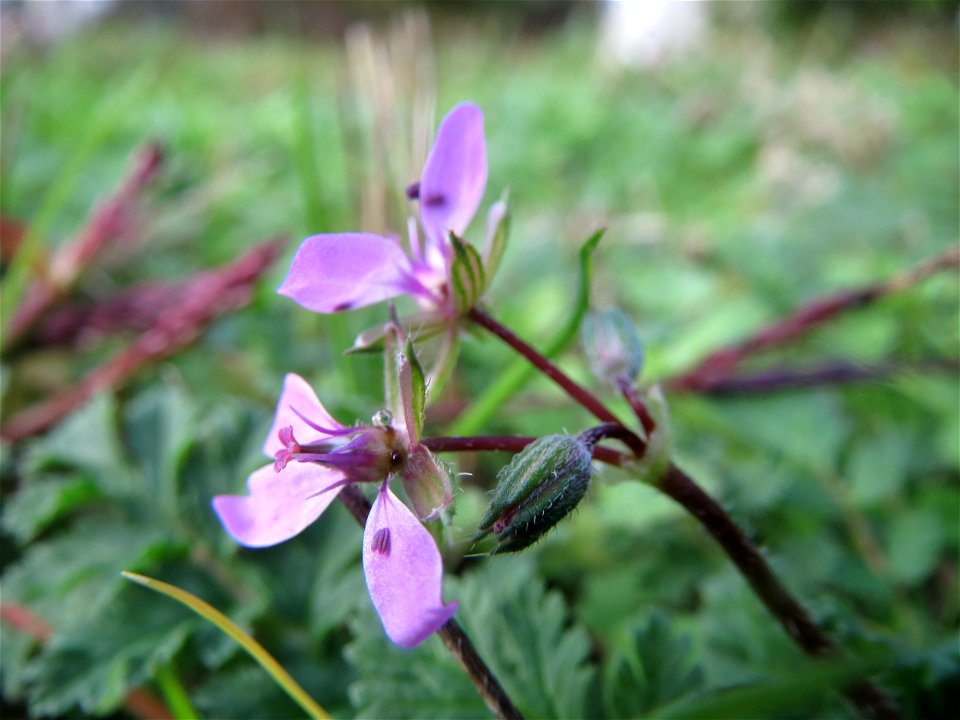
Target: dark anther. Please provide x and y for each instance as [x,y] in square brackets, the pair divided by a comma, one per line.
[413,190]
[396,457]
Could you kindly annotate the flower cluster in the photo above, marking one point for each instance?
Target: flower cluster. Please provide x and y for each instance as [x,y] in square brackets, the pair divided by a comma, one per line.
[314,456]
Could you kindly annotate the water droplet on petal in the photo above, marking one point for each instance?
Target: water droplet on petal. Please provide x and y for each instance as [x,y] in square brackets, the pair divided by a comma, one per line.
[383,418]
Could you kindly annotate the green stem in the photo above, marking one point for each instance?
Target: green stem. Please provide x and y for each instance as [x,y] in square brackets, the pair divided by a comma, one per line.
[174,693]
[519,372]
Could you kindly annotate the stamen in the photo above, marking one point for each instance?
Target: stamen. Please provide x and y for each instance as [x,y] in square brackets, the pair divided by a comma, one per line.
[325,431]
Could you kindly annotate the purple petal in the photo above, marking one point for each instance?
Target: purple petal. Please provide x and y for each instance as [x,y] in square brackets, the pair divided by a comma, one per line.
[404,572]
[297,399]
[455,174]
[280,504]
[331,273]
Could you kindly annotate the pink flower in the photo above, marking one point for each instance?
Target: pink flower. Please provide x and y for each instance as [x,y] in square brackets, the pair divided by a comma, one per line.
[401,561]
[341,271]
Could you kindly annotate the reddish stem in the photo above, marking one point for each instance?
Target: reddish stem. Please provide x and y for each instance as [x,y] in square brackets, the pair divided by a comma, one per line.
[511,444]
[205,298]
[110,219]
[832,374]
[721,365]
[576,391]
[629,393]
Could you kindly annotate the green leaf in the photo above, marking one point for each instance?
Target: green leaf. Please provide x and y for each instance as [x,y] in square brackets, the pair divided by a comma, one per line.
[522,632]
[467,276]
[69,578]
[914,544]
[657,669]
[160,428]
[15,652]
[526,635]
[46,499]
[800,691]
[255,649]
[95,665]
[87,440]
[519,372]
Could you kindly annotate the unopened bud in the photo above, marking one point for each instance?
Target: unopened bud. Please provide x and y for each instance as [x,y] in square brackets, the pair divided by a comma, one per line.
[612,346]
[541,485]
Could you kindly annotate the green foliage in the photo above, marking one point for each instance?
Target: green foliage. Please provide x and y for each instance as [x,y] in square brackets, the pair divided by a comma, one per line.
[655,670]
[734,187]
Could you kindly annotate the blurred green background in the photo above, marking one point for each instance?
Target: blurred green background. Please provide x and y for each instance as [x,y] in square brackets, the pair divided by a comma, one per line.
[789,151]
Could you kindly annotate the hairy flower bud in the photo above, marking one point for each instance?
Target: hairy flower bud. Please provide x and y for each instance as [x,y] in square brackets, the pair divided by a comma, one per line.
[612,346]
[536,490]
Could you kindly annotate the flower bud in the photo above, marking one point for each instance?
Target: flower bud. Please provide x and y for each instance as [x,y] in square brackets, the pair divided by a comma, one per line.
[540,486]
[612,346]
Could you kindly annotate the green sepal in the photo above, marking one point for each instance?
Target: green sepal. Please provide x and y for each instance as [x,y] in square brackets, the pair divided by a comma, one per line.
[467,276]
[498,230]
[413,391]
[421,325]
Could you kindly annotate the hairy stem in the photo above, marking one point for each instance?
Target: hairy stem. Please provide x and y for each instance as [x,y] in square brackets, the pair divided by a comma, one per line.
[782,605]
[452,635]
[683,490]
[827,374]
[511,444]
[679,487]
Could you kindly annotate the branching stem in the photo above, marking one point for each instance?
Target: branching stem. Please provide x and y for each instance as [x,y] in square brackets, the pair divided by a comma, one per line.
[682,489]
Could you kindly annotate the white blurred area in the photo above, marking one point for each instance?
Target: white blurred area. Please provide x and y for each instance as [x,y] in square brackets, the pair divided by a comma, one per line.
[43,22]
[646,33]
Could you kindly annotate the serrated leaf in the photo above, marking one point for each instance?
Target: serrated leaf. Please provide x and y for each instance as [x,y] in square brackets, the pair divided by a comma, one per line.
[521,631]
[658,668]
[467,277]
[240,636]
[803,689]
[242,692]
[525,634]
[94,666]
[88,440]
[159,429]
[424,682]
[44,500]
[69,578]
[15,652]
